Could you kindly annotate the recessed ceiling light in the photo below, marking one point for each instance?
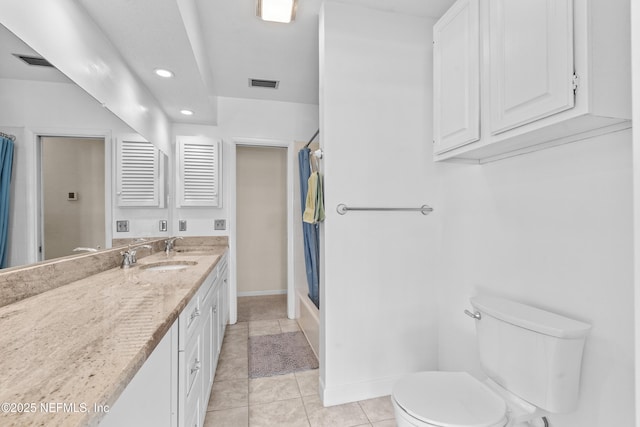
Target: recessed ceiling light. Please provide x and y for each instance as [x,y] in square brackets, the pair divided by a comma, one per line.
[187,112]
[277,10]
[163,73]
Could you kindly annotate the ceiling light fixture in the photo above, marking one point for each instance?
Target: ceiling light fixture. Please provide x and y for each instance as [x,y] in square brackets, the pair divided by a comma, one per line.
[187,112]
[277,10]
[163,73]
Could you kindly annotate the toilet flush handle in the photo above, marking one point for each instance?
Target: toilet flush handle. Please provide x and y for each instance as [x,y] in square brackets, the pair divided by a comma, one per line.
[475,315]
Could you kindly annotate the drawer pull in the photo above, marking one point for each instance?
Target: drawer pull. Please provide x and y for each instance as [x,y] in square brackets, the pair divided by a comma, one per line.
[196,367]
[195,314]
[215,309]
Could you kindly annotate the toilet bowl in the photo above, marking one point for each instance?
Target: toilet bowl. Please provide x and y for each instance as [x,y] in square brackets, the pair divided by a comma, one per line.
[446,399]
[531,357]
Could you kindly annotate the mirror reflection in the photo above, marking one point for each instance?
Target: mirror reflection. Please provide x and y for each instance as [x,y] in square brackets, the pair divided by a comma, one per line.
[64,182]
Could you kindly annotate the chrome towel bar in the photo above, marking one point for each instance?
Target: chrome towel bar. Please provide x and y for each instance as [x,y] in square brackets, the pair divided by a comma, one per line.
[343,209]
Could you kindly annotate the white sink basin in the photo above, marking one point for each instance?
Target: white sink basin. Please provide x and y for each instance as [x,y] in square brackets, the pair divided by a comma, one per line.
[168,265]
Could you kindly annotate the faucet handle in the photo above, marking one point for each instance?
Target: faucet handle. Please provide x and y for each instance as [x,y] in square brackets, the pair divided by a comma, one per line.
[126,259]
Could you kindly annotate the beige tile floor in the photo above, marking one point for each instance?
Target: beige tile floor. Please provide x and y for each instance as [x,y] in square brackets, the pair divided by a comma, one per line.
[289,400]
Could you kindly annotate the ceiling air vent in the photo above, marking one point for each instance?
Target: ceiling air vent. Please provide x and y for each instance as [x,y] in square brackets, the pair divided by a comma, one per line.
[34,60]
[270,84]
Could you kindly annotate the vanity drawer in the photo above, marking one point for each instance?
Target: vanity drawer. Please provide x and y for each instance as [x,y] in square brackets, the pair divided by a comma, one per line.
[193,414]
[193,367]
[189,321]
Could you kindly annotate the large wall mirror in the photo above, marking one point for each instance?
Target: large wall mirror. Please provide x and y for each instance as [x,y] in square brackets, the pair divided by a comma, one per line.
[64,167]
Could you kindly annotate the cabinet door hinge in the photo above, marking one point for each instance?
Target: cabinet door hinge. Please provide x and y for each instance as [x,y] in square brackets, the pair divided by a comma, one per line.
[575,82]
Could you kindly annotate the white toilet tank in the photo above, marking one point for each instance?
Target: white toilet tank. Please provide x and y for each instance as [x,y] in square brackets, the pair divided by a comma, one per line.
[532,353]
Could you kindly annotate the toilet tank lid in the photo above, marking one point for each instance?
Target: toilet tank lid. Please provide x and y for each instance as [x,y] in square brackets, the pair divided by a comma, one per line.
[531,318]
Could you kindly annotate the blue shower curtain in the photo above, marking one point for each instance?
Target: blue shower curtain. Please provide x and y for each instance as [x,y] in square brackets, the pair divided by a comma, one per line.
[310,231]
[6,163]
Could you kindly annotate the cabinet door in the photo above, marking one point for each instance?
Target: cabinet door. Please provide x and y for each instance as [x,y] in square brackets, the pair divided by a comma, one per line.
[139,177]
[531,60]
[198,172]
[456,77]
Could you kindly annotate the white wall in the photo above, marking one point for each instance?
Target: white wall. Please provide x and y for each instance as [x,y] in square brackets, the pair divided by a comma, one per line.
[378,305]
[261,216]
[635,61]
[552,229]
[242,119]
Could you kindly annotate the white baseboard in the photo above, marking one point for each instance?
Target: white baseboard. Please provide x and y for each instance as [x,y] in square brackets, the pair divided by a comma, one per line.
[260,293]
[347,393]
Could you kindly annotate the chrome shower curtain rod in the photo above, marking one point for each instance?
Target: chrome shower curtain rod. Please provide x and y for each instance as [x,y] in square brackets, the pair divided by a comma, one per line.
[6,135]
[312,138]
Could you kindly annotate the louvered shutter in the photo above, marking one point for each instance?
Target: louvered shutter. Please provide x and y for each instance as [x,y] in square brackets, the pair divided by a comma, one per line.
[199,172]
[138,174]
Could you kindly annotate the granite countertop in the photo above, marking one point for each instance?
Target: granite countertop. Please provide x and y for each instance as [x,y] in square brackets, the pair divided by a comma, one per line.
[74,348]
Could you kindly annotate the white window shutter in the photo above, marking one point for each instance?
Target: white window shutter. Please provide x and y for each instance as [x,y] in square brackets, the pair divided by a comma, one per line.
[199,173]
[138,174]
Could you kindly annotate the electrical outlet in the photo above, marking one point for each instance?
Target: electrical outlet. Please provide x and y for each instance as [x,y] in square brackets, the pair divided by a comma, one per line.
[219,224]
[182,225]
[122,226]
[163,225]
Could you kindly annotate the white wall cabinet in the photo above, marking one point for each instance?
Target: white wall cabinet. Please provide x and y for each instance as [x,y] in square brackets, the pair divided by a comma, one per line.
[530,60]
[456,77]
[198,172]
[550,72]
[140,180]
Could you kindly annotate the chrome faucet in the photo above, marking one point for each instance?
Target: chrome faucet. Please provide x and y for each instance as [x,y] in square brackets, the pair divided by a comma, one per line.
[129,257]
[169,244]
[85,249]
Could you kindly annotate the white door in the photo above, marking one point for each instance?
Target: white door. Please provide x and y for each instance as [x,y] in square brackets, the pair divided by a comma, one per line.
[456,59]
[531,60]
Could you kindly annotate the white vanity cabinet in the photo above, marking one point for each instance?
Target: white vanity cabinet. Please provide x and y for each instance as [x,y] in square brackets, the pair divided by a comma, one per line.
[550,72]
[201,330]
[150,398]
[173,386]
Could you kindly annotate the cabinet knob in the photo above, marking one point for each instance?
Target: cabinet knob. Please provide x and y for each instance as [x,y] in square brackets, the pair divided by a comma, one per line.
[196,366]
[195,314]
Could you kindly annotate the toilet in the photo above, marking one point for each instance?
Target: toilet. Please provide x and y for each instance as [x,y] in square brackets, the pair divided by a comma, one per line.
[531,357]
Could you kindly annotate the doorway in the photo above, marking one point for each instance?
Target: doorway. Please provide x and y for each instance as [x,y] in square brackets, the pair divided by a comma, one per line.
[72,200]
[261,216]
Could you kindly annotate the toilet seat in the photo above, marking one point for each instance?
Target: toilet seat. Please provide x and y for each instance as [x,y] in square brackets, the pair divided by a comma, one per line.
[450,399]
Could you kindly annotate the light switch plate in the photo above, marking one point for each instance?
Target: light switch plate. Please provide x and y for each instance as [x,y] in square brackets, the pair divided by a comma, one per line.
[182,225]
[122,226]
[219,224]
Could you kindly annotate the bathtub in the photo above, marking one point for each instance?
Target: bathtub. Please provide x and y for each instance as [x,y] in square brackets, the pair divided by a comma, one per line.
[308,320]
